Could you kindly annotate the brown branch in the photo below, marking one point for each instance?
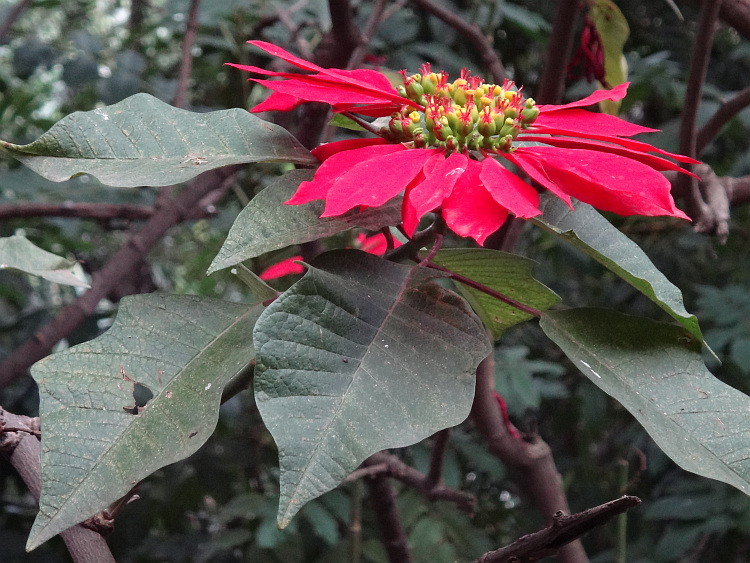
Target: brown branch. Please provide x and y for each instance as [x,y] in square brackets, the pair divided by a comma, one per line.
[564,529]
[118,268]
[722,116]
[388,465]
[22,449]
[736,13]
[437,457]
[697,207]
[532,457]
[559,49]
[13,15]
[383,498]
[100,211]
[472,32]
[186,63]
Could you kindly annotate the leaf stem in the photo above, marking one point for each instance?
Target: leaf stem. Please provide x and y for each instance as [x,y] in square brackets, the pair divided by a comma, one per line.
[484,289]
[362,123]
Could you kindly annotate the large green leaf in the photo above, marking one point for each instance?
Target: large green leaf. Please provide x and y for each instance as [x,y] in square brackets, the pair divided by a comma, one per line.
[143,395]
[360,355]
[655,370]
[266,224]
[18,253]
[587,230]
[508,274]
[141,141]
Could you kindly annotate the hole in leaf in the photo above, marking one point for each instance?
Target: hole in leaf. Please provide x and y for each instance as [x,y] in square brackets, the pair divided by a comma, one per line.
[141,396]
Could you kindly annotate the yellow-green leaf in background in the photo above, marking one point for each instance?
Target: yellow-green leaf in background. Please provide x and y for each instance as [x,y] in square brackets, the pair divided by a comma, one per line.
[614,30]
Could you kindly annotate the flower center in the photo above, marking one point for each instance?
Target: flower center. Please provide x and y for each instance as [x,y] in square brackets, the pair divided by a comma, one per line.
[466,114]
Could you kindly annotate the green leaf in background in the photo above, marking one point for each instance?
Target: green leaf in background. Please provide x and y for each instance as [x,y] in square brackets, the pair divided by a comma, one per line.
[142,141]
[587,230]
[360,355]
[345,122]
[614,31]
[655,371]
[508,274]
[266,224]
[18,253]
[141,396]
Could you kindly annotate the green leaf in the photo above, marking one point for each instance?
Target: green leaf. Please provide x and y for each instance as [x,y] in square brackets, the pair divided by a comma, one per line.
[266,224]
[360,355]
[614,31]
[141,396]
[588,231]
[655,371]
[505,273]
[260,289]
[18,253]
[345,122]
[141,141]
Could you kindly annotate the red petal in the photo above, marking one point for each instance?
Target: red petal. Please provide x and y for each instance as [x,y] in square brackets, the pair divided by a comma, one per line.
[606,181]
[376,180]
[584,121]
[616,93]
[325,92]
[377,244]
[336,166]
[272,49]
[327,150]
[441,175]
[283,268]
[655,162]
[470,211]
[277,102]
[509,190]
[627,143]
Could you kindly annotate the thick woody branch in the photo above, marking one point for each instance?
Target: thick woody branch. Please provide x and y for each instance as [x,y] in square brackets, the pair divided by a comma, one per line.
[563,530]
[19,443]
[559,49]
[472,32]
[737,14]
[531,458]
[119,267]
[697,207]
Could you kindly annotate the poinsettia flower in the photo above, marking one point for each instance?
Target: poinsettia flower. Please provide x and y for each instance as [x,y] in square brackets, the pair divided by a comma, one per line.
[375,244]
[454,146]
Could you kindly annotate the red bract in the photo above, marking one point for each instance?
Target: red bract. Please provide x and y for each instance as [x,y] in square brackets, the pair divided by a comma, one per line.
[448,147]
[375,244]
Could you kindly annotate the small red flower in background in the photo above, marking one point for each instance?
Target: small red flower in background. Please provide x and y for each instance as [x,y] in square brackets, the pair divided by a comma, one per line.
[590,54]
[375,244]
[446,143]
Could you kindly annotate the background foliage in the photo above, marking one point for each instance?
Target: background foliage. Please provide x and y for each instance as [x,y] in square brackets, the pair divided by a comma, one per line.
[220,504]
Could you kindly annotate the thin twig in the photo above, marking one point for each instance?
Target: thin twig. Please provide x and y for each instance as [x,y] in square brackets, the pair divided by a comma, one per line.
[472,32]
[563,529]
[13,15]
[186,64]
[722,116]
[100,211]
[437,457]
[697,208]
[383,499]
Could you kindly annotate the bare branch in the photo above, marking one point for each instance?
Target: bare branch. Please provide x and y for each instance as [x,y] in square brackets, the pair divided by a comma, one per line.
[472,32]
[186,63]
[531,457]
[117,269]
[697,207]
[564,529]
[437,457]
[383,498]
[13,15]
[559,48]
[19,443]
[100,211]
[722,116]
